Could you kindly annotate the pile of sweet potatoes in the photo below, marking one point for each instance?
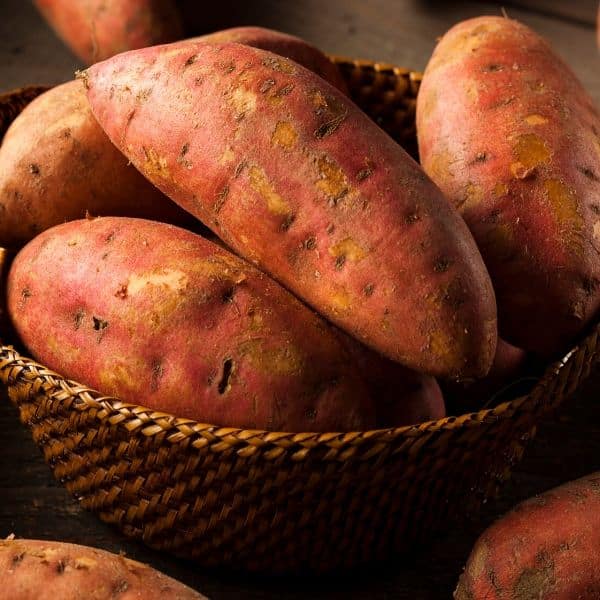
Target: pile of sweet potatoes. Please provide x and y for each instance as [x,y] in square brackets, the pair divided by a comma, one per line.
[212,228]
[358,277]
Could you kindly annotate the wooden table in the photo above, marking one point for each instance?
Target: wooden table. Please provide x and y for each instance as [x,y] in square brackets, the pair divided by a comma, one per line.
[401,32]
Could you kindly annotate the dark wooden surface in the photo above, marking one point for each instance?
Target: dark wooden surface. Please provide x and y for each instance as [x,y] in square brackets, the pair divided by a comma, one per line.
[403,32]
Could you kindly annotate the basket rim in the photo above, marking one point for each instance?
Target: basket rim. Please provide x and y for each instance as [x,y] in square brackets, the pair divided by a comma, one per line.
[152,422]
[18,370]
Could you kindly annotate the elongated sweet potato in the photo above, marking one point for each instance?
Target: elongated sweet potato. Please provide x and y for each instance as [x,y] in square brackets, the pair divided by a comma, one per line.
[286,45]
[294,177]
[513,140]
[43,570]
[159,316]
[56,164]
[547,548]
[98,29]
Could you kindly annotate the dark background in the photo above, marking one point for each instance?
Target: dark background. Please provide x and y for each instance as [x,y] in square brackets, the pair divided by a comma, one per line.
[401,32]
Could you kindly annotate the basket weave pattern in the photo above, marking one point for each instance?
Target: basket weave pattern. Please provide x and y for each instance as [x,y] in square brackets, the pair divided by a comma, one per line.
[270,501]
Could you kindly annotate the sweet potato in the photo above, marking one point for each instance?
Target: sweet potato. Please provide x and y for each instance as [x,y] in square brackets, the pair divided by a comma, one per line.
[407,398]
[509,363]
[401,396]
[513,140]
[97,29]
[159,316]
[547,548]
[56,164]
[295,178]
[43,570]
[286,45]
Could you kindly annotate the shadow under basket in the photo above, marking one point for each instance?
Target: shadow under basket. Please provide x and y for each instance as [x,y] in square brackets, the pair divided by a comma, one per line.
[280,502]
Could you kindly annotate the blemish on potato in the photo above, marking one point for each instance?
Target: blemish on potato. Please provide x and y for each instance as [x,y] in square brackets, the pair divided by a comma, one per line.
[439,165]
[228,156]
[221,196]
[181,159]
[310,243]
[284,90]
[261,184]
[329,127]
[143,95]
[78,318]
[279,64]
[531,150]
[369,289]
[284,135]
[226,66]
[478,560]
[224,384]
[282,360]
[442,264]
[332,180]
[472,91]
[500,190]
[157,373]
[243,101]
[340,300]
[535,119]
[154,164]
[535,582]
[25,295]
[347,249]
[266,85]
[287,222]
[564,206]
[121,291]
[99,325]
[473,195]
[190,60]
[480,157]
[170,279]
[589,173]
[492,68]
[411,217]
[34,169]
[84,562]
[365,173]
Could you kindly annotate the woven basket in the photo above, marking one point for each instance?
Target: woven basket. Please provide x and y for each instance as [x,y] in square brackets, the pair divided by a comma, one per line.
[270,501]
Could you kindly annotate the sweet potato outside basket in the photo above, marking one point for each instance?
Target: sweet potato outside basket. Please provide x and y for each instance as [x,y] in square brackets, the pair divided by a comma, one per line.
[271,501]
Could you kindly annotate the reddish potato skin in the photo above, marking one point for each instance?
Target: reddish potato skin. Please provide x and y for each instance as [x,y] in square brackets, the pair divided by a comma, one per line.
[295,178]
[286,45]
[547,548]
[97,29]
[508,365]
[401,396]
[158,316]
[512,139]
[407,398]
[43,570]
[56,164]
